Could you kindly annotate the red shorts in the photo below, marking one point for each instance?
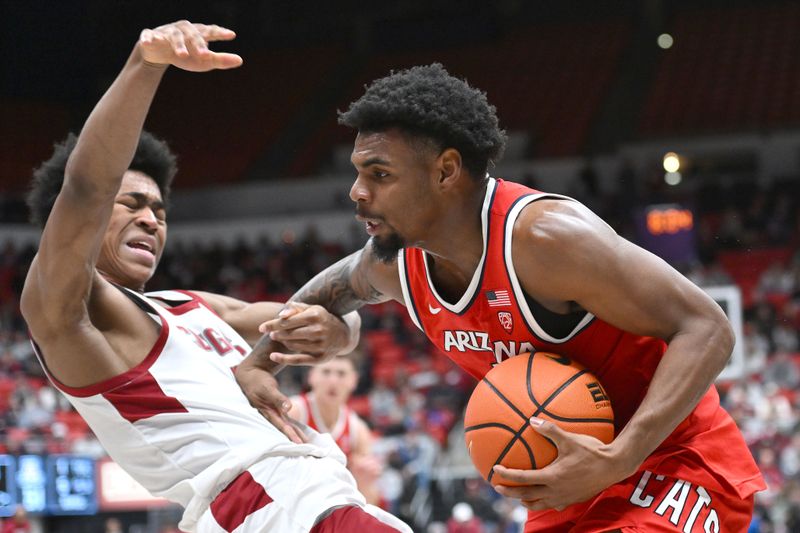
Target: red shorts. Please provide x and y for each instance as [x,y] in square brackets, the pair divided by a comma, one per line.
[649,502]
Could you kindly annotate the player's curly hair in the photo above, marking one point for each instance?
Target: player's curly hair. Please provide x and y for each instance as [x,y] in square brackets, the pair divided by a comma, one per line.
[427,101]
[153,157]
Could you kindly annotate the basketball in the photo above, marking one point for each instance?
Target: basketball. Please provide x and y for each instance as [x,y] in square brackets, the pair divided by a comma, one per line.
[545,385]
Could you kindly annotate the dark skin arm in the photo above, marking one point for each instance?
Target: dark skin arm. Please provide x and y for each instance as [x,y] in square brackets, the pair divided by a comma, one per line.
[585,262]
[345,286]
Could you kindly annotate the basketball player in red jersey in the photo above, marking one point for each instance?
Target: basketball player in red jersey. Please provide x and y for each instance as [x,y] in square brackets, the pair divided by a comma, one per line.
[490,269]
[324,408]
[155,375]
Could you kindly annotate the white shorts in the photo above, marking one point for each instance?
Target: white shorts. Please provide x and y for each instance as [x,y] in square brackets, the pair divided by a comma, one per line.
[295,495]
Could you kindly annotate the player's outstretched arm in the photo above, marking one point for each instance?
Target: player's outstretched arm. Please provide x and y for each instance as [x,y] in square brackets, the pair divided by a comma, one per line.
[584,261]
[59,282]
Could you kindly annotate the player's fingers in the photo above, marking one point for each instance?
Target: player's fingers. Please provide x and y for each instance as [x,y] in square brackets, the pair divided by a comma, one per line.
[293,359]
[292,308]
[213,32]
[194,40]
[146,37]
[296,315]
[290,317]
[528,492]
[536,505]
[226,61]
[312,334]
[313,348]
[526,477]
[298,428]
[273,398]
[557,436]
[283,425]
[269,325]
[176,40]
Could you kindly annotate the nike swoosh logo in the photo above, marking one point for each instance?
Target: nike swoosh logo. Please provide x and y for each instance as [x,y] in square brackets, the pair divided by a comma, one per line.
[434,310]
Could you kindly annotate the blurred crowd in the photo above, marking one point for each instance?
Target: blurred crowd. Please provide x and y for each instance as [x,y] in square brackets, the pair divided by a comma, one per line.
[413,397]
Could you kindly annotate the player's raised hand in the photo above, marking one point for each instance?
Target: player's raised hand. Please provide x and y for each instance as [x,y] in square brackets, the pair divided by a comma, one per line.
[584,467]
[185,45]
[314,334]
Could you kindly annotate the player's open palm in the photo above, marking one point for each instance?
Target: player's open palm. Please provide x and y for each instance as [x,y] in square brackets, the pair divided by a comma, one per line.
[185,45]
[582,469]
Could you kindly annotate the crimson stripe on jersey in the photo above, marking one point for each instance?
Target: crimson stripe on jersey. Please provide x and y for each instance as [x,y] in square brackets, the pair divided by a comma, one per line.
[183,308]
[117,381]
[238,500]
[351,518]
[198,299]
[143,398]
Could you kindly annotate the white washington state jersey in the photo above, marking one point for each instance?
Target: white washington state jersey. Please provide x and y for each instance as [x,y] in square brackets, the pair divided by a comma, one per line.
[178,422]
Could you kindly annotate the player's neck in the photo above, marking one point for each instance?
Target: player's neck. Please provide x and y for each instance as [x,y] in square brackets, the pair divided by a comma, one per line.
[329,412]
[456,241]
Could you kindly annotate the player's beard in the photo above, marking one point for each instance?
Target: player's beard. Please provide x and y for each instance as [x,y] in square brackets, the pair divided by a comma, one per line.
[386,249]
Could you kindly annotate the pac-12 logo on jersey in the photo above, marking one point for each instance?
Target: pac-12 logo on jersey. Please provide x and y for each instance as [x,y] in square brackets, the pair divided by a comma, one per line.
[506,320]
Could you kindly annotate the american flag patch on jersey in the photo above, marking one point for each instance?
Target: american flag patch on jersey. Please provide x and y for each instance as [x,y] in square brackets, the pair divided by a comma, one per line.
[498,298]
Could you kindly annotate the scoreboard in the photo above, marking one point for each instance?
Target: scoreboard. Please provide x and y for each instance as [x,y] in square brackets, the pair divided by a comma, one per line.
[8,488]
[71,487]
[54,485]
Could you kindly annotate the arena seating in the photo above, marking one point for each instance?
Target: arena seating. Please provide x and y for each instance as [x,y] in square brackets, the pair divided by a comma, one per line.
[546,80]
[730,68]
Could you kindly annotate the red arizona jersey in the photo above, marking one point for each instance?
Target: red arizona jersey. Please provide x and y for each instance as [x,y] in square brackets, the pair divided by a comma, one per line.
[342,431]
[495,320]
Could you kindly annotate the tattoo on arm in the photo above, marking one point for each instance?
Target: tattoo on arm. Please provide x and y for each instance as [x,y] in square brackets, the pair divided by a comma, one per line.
[342,287]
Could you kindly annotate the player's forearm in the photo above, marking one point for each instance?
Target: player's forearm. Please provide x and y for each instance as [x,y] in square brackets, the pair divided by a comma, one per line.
[341,288]
[258,358]
[108,140]
[687,370]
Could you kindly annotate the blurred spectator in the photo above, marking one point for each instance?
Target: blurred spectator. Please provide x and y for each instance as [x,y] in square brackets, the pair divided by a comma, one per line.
[113,525]
[463,520]
[18,523]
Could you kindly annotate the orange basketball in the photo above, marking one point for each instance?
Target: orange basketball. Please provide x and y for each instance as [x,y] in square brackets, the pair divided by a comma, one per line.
[545,385]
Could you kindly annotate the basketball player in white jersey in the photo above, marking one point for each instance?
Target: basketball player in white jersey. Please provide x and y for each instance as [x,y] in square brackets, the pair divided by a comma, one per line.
[324,409]
[155,376]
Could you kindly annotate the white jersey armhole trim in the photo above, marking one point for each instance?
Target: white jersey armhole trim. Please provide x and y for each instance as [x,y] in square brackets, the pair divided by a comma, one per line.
[401,269]
[520,295]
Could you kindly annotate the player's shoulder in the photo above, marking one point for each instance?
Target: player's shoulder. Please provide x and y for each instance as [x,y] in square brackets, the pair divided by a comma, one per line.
[556,222]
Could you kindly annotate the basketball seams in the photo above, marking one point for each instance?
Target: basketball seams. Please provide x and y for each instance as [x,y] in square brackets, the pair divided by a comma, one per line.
[510,445]
[543,407]
[529,376]
[490,425]
[578,420]
[506,400]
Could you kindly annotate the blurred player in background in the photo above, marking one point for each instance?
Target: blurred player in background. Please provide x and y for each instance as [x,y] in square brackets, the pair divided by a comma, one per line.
[324,409]
[489,269]
[155,376]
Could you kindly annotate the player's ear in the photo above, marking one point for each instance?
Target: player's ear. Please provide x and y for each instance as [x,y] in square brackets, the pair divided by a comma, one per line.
[449,165]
